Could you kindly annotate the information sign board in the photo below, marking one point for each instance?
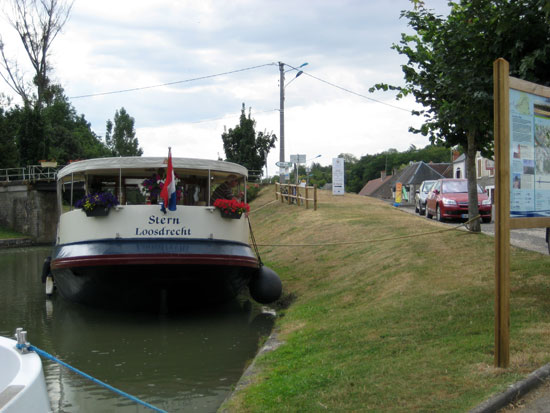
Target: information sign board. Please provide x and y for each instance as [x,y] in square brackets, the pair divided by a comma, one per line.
[529,155]
[338,176]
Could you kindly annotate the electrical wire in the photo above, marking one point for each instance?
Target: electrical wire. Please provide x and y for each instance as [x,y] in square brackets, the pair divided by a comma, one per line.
[171,83]
[237,71]
[348,90]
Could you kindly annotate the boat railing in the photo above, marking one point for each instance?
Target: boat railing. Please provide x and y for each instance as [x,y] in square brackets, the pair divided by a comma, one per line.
[30,173]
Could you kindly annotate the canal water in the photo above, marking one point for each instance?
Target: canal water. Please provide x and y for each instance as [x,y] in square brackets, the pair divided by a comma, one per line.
[177,362]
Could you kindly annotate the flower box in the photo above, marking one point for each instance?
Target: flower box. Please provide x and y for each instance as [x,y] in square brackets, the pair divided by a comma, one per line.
[98,212]
[98,204]
[230,214]
[231,208]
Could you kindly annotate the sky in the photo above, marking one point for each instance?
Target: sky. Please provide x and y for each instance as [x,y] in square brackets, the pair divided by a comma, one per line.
[211,56]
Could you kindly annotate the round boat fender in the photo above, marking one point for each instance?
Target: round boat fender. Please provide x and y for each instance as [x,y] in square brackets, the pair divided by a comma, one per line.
[265,286]
[46,269]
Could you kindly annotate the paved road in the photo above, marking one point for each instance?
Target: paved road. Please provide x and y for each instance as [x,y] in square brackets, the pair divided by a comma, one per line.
[533,239]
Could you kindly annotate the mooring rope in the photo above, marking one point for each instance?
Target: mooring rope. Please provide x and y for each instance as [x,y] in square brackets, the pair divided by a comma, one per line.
[263,206]
[371,240]
[254,243]
[44,354]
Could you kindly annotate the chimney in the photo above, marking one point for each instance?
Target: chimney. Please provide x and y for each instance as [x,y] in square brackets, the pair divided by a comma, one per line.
[383,175]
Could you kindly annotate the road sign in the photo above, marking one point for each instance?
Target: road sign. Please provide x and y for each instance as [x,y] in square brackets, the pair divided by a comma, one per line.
[298,158]
[283,164]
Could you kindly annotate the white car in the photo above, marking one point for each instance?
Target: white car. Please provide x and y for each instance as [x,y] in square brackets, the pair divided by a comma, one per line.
[421,195]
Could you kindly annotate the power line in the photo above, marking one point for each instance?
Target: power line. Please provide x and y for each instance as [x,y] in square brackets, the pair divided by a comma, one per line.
[350,91]
[171,83]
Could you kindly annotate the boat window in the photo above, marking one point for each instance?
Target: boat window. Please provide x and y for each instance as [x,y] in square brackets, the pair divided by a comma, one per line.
[145,188]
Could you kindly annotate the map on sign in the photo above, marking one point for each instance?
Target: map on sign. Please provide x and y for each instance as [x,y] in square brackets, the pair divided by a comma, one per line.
[529,155]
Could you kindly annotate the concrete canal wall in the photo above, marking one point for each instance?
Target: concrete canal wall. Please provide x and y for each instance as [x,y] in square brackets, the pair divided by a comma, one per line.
[29,208]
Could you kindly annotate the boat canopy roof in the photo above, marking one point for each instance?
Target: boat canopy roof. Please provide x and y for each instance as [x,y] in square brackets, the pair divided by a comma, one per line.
[138,165]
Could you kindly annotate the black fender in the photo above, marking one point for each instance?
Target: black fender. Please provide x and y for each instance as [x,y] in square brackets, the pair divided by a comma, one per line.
[265,286]
[46,270]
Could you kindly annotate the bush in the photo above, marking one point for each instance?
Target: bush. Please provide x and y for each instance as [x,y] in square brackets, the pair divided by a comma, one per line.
[252,191]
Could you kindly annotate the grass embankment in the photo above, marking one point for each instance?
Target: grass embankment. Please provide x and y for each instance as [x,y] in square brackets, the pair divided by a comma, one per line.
[8,234]
[389,324]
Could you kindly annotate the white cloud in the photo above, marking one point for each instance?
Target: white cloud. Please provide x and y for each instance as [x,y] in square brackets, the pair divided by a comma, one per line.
[124,44]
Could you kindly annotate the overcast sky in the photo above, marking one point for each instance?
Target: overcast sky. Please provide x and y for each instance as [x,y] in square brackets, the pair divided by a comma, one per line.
[114,45]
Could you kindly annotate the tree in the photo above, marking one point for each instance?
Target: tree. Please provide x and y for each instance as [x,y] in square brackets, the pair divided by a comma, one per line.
[9,156]
[449,71]
[122,139]
[37,23]
[244,147]
[54,132]
[370,166]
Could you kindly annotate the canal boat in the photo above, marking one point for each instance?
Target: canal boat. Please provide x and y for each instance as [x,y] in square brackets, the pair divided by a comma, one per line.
[22,382]
[118,243]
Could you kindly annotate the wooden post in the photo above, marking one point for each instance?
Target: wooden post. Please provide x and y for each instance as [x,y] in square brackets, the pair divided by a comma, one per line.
[307,197]
[502,212]
[289,198]
[276,193]
[315,197]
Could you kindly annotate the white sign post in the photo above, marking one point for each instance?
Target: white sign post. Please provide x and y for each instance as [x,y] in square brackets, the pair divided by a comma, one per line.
[338,176]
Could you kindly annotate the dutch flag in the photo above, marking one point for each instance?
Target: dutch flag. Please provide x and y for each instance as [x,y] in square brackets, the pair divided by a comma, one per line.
[168,192]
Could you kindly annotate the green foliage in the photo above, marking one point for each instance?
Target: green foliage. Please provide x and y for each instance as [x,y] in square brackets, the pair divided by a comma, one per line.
[122,139]
[244,147]
[449,69]
[9,155]
[252,191]
[370,166]
[53,132]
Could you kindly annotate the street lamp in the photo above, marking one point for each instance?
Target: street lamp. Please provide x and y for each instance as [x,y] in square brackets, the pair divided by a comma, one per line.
[308,171]
[282,111]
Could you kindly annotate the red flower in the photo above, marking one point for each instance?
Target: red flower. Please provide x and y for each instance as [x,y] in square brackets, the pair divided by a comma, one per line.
[227,205]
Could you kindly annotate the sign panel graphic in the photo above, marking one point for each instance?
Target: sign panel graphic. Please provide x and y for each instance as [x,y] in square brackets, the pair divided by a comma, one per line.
[529,155]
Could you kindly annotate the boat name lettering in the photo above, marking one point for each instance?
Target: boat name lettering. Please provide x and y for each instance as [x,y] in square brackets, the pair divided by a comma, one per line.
[163,220]
[163,231]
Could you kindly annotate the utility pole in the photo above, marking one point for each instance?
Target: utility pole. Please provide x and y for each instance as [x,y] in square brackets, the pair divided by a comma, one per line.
[282,119]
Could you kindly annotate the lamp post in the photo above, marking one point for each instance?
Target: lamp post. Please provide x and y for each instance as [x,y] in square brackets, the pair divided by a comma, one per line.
[282,112]
[307,172]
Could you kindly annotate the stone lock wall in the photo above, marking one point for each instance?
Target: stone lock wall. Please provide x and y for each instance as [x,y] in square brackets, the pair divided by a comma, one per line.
[28,210]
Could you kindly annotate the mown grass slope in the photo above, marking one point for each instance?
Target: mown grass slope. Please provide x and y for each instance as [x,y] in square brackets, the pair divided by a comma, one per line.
[382,321]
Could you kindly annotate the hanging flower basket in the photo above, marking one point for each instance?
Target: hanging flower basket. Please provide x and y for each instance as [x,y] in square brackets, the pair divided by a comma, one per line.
[231,208]
[98,204]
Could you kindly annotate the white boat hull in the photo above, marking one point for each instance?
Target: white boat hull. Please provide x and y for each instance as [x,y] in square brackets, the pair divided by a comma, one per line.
[22,383]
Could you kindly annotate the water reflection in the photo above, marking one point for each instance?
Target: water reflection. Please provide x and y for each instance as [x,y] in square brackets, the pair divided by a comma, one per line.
[186,361]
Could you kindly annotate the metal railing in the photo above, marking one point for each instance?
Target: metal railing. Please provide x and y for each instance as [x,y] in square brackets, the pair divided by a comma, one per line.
[254,175]
[30,173]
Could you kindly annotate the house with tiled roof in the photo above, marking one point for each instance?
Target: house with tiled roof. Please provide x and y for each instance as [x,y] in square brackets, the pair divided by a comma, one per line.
[410,178]
[372,185]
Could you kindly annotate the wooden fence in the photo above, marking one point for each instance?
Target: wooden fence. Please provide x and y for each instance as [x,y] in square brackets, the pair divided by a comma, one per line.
[296,194]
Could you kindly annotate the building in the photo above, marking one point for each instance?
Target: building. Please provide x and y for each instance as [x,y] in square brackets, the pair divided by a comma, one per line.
[485,172]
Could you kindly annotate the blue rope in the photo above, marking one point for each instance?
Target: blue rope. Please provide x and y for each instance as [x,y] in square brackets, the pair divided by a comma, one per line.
[120,392]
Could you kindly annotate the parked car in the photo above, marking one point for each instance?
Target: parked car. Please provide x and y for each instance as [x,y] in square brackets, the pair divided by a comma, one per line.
[421,195]
[448,199]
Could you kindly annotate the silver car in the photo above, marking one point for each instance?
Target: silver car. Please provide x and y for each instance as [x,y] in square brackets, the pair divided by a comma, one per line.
[421,195]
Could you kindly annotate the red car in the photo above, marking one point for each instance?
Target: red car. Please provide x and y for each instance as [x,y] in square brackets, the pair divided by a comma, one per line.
[448,199]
